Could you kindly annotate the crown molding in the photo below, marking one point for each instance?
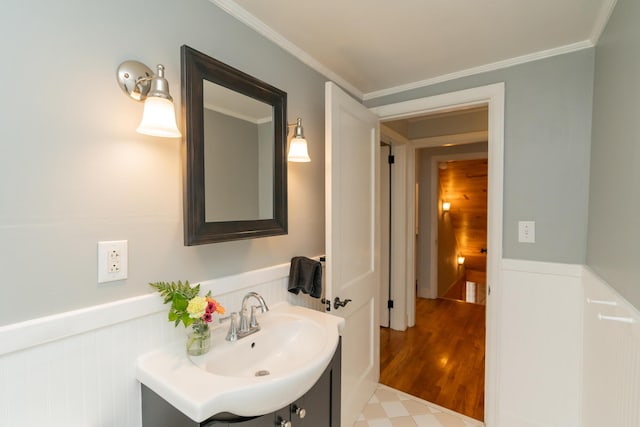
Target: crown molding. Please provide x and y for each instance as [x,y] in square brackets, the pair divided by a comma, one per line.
[602,19]
[242,15]
[482,69]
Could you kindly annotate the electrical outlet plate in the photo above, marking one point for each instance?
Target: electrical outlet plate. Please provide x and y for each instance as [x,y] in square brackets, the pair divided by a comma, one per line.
[112,261]
[527,231]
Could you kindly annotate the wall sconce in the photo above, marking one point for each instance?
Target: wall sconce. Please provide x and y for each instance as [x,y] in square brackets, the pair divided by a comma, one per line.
[298,145]
[159,116]
[460,260]
[446,206]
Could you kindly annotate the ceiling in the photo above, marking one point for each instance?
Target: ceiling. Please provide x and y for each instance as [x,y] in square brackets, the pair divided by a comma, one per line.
[376,47]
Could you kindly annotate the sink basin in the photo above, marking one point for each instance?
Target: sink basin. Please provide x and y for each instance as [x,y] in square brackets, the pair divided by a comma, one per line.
[285,343]
[255,375]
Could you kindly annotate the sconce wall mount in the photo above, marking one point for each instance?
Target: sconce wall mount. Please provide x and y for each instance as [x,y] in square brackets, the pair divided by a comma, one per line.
[141,84]
[134,79]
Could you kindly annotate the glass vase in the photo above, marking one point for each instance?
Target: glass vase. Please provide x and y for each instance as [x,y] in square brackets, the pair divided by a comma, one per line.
[198,339]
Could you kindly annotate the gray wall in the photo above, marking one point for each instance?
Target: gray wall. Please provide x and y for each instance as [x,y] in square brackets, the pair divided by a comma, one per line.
[74,171]
[614,207]
[450,124]
[547,146]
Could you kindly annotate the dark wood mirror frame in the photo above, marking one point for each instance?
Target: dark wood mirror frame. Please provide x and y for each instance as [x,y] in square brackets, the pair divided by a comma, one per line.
[197,67]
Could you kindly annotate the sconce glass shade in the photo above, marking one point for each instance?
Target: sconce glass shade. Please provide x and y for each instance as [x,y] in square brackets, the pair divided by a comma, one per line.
[298,145]
[446,206]
[460,260]
[159,118]
[298,151]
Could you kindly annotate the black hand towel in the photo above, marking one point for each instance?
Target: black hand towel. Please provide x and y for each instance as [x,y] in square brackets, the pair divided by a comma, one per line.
[305,275]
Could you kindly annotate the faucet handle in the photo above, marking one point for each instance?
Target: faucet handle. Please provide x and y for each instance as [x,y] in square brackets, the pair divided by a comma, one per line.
[253,322]
[244,323]
[232,334]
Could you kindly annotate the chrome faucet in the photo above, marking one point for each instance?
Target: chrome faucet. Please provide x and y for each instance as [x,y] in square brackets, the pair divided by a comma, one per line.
[263,305]
[246,327]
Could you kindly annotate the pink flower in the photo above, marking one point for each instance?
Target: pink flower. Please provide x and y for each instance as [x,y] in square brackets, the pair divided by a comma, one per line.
[211,307]
[207,317]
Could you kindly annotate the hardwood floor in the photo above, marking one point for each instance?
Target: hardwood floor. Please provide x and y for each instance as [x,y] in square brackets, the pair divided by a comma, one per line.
[441,359]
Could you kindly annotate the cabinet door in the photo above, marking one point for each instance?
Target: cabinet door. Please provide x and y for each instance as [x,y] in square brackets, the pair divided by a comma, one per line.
[315,406]
[321,404]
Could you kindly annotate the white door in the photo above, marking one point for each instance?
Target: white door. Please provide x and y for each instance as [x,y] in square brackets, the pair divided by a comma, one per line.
[352,242]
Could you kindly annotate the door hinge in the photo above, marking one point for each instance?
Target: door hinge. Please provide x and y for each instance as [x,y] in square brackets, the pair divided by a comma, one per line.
[392,159]
[390,303]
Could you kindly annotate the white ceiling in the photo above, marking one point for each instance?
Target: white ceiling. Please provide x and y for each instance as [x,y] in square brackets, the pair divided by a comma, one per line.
[375,47]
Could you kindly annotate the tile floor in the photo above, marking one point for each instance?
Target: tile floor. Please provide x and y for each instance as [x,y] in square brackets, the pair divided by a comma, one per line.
[392,408]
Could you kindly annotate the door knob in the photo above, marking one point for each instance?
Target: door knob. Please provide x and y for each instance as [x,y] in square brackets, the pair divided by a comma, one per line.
[284,423]
[337,303]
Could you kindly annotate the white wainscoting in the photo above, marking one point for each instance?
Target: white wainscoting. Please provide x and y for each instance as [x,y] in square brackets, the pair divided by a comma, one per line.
[78,368]
[540,345]
[611,376]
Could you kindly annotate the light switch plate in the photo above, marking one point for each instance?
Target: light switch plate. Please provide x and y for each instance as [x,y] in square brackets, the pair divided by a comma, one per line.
[112,261]
[526,231]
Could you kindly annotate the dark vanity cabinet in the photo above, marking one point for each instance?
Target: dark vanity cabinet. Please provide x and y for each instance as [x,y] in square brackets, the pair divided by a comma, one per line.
[319,407]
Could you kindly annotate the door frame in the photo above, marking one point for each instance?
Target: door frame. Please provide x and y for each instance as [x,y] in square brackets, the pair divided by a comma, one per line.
[397,246]
[492,96]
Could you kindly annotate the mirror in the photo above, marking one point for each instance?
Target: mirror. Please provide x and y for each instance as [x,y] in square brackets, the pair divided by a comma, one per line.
[248,161]
[234,163]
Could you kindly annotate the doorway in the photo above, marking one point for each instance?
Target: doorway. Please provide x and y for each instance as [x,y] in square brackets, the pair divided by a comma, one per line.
[445,349]
[493,97]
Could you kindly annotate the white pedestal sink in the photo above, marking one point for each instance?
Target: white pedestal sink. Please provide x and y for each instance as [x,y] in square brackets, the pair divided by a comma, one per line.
[253,376]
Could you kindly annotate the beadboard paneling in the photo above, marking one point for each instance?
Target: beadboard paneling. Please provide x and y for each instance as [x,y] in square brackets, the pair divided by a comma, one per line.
[611,375]
[87,378]
[540,344]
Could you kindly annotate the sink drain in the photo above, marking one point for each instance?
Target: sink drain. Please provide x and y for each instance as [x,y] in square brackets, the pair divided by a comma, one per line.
[262,373]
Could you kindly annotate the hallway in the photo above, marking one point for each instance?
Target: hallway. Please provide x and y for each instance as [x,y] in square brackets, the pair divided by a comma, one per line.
[441,359]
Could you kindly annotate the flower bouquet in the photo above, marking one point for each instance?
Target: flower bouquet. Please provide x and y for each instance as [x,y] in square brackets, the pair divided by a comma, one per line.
[192,310]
